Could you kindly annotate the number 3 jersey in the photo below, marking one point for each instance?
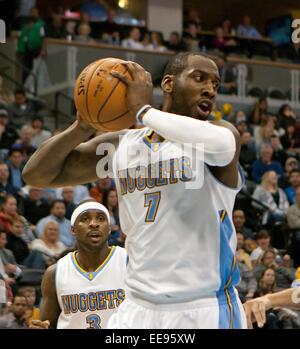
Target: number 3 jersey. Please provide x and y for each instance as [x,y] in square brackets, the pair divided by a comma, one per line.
[180,237]
[88,299]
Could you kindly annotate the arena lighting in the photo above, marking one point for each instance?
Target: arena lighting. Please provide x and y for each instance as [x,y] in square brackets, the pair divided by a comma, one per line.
[123,3]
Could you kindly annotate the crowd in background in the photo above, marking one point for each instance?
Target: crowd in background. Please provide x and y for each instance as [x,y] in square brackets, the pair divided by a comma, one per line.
[35,222]
[226,37]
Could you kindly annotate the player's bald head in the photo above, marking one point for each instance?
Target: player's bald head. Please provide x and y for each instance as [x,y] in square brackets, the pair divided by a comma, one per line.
[180,62]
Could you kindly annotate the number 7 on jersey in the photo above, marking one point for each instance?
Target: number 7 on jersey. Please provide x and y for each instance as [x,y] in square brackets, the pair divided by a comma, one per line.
[152,201]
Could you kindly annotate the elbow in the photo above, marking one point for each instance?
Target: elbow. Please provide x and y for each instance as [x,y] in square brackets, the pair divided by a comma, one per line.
[27,175]
[32,178]
[222,154]
[219,159]
[226,147]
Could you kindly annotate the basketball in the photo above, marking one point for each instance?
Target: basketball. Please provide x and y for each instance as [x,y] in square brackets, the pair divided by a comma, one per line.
[100,98]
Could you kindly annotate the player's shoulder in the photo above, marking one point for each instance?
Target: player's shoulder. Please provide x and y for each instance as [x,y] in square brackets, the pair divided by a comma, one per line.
[135,131]
[50,274]
[63,261]
[114,137]
[120,251]
[121,256]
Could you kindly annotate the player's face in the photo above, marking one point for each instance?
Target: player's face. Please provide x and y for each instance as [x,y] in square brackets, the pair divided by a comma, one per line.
[195,89]
[91,229]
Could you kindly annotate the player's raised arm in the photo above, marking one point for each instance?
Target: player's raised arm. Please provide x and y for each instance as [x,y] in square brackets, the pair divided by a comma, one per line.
[50,309]
[220,140]
[67,158]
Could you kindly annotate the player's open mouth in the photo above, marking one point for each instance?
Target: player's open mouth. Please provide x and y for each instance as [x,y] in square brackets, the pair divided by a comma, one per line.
[95,236]
[204,108]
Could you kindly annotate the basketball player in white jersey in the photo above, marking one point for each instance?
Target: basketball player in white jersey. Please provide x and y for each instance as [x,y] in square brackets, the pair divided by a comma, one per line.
[180,242]
[85,287]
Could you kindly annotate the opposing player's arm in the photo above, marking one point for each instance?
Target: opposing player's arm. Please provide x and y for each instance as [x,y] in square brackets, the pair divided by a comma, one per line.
[255,309]
[50,308]
[68,158]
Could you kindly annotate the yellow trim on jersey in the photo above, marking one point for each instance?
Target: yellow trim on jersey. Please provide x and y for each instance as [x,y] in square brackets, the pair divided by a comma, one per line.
[223,215]
[90,275]
[227,293]
[148,135]
[230,307]
[106,259]
[151,144]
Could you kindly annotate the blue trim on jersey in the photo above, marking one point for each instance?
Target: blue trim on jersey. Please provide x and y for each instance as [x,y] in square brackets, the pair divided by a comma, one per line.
[237,319]
[90,275]
[224,316]
[229,274]
[224,310]
[226,254]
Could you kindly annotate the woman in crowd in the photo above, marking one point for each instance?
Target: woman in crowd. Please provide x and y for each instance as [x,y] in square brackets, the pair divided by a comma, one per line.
[8,212]
[291,140]
[267,260]
[157,42]
[269,194]
[266,283]
[279,317]
[260,112]
[227,27]
[111,202]
[46,250]
[285,115]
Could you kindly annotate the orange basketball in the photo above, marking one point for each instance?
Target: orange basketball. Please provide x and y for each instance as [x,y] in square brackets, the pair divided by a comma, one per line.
[100,97]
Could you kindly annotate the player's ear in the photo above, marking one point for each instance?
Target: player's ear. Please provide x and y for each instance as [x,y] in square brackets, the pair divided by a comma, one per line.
[72,231]
[167,83]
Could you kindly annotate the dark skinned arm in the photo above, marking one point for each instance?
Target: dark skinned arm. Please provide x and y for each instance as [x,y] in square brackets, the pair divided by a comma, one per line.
[50,308]
[68,158]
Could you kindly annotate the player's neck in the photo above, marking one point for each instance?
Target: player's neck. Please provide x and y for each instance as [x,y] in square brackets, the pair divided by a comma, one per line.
[156,138]
[90,260]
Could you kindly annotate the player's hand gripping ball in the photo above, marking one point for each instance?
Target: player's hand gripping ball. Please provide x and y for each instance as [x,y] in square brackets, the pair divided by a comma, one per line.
[100,98]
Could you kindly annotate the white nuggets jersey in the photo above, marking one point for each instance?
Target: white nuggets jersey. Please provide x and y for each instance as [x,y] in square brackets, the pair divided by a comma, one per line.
[180,242]
[88,299]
